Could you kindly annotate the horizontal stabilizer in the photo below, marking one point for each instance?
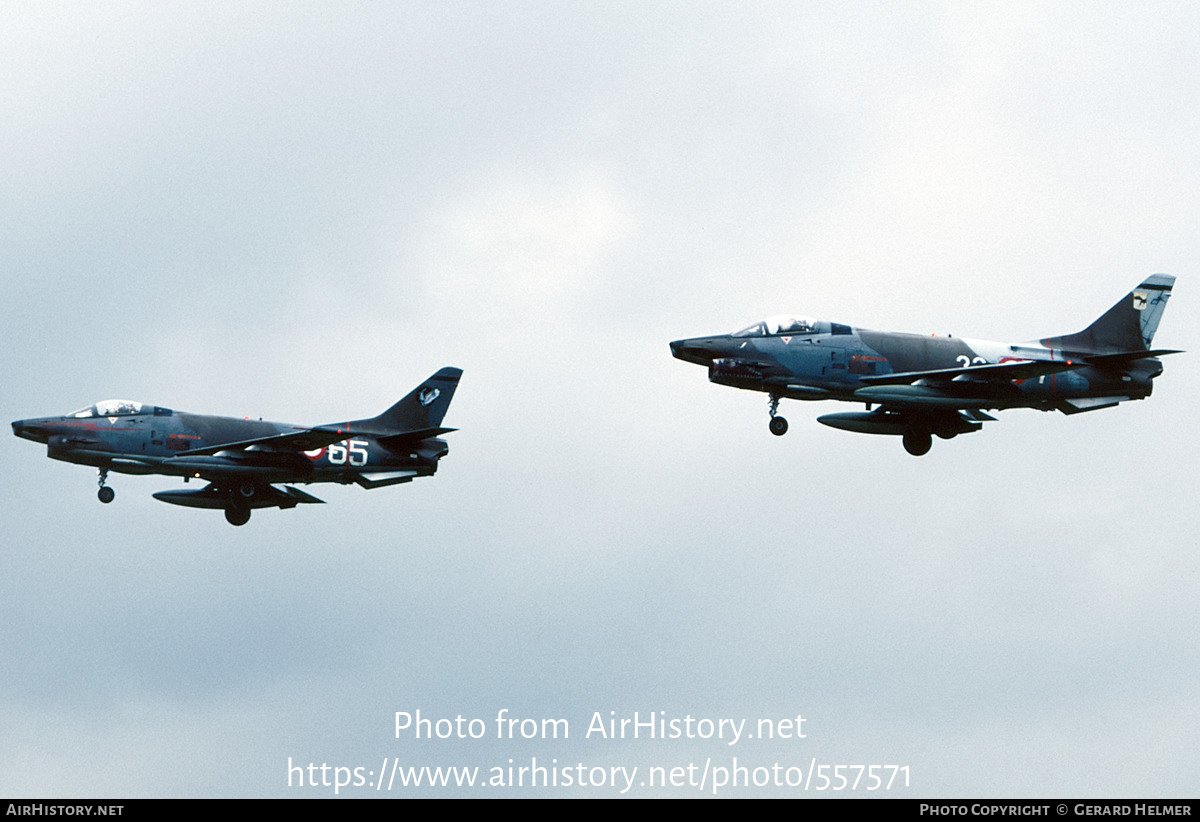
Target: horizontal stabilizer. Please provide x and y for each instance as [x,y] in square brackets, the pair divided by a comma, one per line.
[379,479]
[1080,404]
[400,440]
[1124,358]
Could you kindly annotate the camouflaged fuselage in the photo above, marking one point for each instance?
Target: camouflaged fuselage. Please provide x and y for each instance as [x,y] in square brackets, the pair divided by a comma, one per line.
[243,459]
[926,385]
[158,441]
[840,362]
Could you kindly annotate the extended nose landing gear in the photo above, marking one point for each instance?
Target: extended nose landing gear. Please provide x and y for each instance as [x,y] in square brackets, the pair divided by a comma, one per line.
[778,425]
[105,494]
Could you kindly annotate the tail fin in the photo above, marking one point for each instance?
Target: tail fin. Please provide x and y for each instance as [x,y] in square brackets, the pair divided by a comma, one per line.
[420,412]
[1126,327]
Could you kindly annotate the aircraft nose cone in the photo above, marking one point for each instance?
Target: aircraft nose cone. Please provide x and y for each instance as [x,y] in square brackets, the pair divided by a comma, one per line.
[680,351]
[700,350]
[26,431]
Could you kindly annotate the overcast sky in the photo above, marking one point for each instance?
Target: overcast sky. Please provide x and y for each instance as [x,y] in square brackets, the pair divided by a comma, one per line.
[298,211]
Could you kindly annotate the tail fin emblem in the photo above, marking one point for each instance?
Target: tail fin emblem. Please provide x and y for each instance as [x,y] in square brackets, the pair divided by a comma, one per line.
[428,395]
[1140,300]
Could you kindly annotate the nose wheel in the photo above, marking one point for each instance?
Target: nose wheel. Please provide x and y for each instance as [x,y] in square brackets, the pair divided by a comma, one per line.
[778,425]
[105,494]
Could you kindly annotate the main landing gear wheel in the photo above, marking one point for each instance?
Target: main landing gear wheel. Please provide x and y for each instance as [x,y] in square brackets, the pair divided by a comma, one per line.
[917,441]
[105,494]
[237,514]
[778,425]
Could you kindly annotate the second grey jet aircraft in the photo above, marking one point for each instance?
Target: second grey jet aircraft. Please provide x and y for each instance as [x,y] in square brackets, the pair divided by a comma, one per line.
[926,386]
[244,459]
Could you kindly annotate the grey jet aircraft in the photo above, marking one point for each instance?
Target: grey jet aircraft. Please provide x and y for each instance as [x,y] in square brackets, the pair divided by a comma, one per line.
[934,385]
[243,460]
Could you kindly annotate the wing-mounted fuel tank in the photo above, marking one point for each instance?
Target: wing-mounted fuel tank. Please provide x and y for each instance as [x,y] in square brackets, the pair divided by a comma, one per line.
[945,424]
[247,496]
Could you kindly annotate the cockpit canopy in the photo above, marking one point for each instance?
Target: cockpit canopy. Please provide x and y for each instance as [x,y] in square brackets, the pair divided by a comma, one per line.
[119,408]
[782,324]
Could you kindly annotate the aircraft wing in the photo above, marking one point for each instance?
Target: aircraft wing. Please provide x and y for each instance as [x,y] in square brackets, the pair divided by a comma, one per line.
[310,439]
[992,372]
[307,439]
